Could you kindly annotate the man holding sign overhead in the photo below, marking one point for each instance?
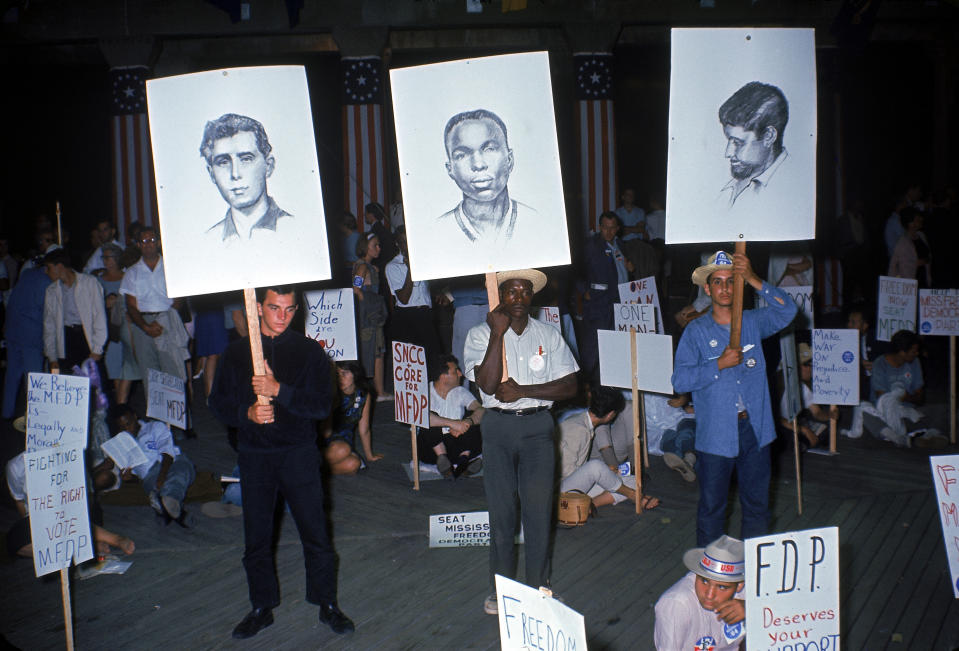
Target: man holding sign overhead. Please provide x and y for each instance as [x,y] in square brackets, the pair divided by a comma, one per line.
[734,420]
[517,427]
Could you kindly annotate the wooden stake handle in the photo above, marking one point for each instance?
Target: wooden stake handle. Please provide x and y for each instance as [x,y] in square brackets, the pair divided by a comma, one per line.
[832,435]
[736,324]
[416,459]
[798,478]
[637,433]
[67,609]
[256,344]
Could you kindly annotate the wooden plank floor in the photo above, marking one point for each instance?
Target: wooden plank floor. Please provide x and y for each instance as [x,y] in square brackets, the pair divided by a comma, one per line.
[187,589]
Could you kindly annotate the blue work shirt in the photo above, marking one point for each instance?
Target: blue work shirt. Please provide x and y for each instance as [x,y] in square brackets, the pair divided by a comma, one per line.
[716,392]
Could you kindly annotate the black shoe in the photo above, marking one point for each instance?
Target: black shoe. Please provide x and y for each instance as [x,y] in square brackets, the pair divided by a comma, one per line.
[255,621]
[331,615]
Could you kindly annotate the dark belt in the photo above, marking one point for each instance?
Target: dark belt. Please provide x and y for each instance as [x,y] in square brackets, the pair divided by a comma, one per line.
[74,325]
[743,415]
[412,307]
[520,412]
[150,313]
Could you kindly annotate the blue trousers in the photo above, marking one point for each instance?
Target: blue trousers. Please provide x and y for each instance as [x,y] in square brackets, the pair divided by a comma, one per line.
[753,469]
[178,478]
[20,361]
[681,440]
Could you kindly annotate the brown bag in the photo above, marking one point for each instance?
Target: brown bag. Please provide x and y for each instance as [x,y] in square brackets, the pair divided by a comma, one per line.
[574,508]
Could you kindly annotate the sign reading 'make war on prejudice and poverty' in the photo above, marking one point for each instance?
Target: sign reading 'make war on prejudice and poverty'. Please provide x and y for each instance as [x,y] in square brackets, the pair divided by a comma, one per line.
[531,619]
[57,411]
[939,312]
[896,307]
[835,367]
[410,385]
[330,320]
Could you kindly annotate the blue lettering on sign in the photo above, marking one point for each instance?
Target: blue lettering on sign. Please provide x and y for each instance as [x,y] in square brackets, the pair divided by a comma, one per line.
[847,357]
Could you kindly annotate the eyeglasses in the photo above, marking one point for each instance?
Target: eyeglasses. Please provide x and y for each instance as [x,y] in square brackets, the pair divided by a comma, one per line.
[148,240]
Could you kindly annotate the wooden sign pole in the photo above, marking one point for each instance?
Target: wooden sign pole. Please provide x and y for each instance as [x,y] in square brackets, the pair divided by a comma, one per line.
[65,571]
[796,451]
[952,389]
[59,229]
[256,344]
[637,433]
[832,434]
[416,459]
[736,325]
[492,297]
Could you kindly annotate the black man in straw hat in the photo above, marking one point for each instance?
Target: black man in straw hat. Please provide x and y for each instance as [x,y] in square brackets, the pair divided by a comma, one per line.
[517,427]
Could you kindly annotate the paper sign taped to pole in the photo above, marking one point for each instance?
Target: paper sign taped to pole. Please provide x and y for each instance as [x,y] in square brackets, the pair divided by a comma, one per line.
[835,367]
[643,291]
[330,320]
[58,411]
[945,477]
[634,315]
[939,312]
[896,306]
[167,399]
[654,353]
[530,619]
[410,385]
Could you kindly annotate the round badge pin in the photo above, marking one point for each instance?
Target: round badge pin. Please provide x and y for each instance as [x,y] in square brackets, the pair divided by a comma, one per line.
[751,362]
[537,363]
[713,343]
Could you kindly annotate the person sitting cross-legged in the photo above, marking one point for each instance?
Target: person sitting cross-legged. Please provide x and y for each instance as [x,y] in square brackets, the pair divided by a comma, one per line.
[453,441]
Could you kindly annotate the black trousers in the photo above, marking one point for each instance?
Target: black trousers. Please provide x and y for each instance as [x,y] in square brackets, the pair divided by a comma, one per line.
[471,440]
[414,325]
[294,473]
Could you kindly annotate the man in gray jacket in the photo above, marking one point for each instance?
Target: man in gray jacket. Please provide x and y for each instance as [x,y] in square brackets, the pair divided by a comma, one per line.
[74,314]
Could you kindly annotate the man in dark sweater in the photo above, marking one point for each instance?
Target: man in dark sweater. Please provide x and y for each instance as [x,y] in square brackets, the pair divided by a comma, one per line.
[278,454]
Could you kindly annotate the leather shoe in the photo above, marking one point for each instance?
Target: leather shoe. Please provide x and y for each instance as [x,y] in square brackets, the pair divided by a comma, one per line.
[255,621]
[331,615]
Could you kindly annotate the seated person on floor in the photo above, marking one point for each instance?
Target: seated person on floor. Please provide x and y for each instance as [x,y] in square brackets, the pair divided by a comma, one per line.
[813,419]
[613,442]
[869,348]
[19,539]
[350,419]
[453,441]
[167,473]
[600,481]
[678,443]
[705,608]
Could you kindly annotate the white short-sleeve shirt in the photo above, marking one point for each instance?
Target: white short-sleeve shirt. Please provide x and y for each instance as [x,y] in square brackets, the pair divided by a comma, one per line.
[682,623]
[454,405]
[147,286]
[155,439]
[396,276]
[17,478]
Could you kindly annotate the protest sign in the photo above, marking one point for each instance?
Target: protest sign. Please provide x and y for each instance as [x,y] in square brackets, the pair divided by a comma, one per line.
[167,400]
[802,296]
[330,320]
[531,619]
[655,361]
[643,291]
[792,590]
[57,411]
[460,529]
[57,503]
[896,307]
[835,367]
[410,385]
[549,315]
[634,315]
[939,312]
[945,476]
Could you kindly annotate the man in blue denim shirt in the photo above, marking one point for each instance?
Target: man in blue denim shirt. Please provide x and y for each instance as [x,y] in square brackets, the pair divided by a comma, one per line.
[734,420]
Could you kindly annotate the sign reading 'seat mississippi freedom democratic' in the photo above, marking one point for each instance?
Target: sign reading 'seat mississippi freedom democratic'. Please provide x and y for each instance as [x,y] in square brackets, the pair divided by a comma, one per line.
[643,291]
[634,315]
[460,529]
[939,312]
[945,475]
[57,502]
[792,590]
[896,306]
[330,320]
[410,385]
[167,398]
[531,619]
[835,367]
[57,411]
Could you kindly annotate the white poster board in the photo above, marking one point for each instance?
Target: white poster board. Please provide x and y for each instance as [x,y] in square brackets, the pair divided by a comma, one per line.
[945,476]
[460,529]
[835,367]
[529,619]
[654,354]
[480,165]
[792,590]
[251,215]
[57,411]
[548,315]
[411,389]
[896,306]
[167,399]
[634,315]
[725,182]
[939,312]
[330,320]
[57,504]
[802,297]
[643,291]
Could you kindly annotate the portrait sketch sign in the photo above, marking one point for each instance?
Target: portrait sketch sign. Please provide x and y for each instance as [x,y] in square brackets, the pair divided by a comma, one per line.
[480,170]
[237,179]
[742,135]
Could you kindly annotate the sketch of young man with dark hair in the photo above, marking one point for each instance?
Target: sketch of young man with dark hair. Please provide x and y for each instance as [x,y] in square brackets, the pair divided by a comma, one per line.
[753,120]
[239,159]
[479,160]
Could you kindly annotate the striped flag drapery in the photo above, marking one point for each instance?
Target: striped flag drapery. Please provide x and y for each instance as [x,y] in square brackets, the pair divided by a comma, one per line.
[363,157]
[594,82]
[134,197]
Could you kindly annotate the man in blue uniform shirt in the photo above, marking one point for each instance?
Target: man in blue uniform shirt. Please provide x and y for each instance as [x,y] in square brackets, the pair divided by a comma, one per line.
[734,420]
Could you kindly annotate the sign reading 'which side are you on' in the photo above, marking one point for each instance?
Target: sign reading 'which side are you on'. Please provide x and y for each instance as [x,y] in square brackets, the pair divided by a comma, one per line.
[330,320]
[896,306]
[410,385]
[57,411]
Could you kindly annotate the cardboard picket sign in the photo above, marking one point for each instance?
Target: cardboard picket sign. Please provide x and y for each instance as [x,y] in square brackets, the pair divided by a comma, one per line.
[640,316]
[167,399]
[460,529]
[57,411]
[530,619]
[330,320]
[655,361]
[411,392]
[896,306]
[548,315]
[643,291]
[792,590]
[835,367]
[57,503]
[237,179]
[945,477]
[939,312]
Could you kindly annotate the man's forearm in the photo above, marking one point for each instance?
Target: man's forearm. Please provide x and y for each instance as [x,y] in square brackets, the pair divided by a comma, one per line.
[561,389]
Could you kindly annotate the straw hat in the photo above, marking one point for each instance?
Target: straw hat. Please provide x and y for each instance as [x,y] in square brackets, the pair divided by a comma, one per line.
[721,560]
[536,277]
[717,261]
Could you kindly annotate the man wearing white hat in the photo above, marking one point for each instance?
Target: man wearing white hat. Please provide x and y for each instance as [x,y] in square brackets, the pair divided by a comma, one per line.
[734,420]
[705,608]
[518,446]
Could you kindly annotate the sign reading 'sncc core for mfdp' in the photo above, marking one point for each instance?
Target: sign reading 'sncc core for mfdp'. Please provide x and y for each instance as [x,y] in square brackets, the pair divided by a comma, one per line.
[410,385]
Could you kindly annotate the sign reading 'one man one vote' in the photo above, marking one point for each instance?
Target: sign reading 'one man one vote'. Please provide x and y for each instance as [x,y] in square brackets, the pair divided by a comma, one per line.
[410,385]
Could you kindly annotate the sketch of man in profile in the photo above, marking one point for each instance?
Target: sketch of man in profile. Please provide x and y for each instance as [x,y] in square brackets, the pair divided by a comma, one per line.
[753,121]
[239,159]
[479,160]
